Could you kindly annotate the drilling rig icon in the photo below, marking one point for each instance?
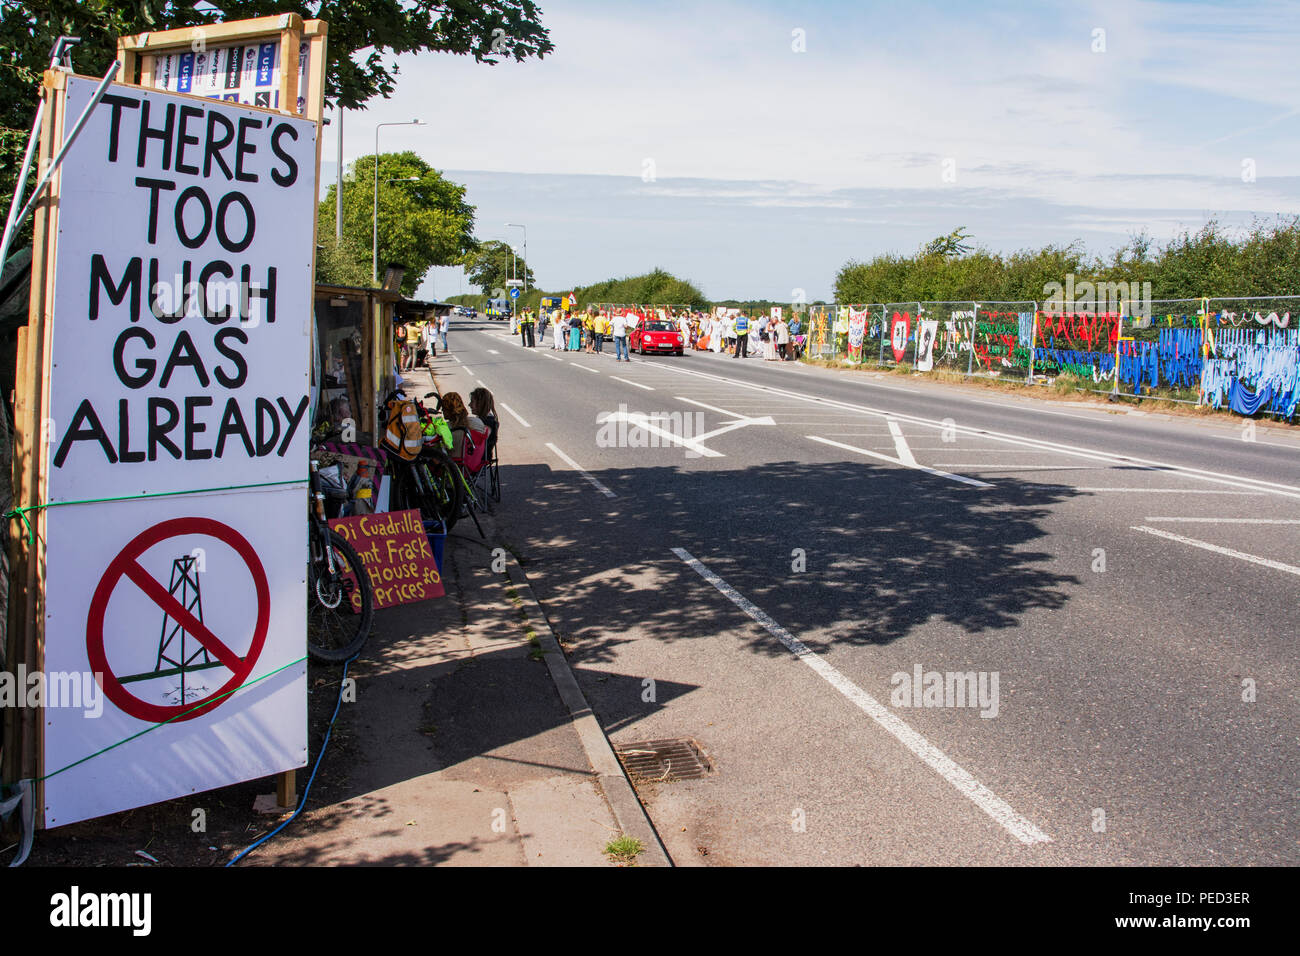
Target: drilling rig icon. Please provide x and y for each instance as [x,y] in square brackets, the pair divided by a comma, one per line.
[174,656]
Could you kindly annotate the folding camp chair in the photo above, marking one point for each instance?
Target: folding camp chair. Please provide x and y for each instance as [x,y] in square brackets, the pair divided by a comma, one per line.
[471,463]
[489,476]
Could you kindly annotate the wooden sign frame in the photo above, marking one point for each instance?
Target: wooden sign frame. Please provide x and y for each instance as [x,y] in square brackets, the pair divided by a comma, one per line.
[139,53]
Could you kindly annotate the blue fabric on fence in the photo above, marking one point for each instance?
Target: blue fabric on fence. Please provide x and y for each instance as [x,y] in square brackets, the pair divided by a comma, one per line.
[1245,402]
[1103,362]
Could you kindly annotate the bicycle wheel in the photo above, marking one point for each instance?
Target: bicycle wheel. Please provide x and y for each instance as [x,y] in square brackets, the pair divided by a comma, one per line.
[444,494]
[340,604]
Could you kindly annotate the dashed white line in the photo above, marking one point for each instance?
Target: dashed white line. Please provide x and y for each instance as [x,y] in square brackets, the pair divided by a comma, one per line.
[585,368]
[626,381]
[984,798]
[553,358]
[580,470]
[493,352]
[515,414]
[1229,552]
[894,461]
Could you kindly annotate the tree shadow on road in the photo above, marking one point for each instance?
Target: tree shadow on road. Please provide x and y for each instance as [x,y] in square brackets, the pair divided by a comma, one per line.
[864,554]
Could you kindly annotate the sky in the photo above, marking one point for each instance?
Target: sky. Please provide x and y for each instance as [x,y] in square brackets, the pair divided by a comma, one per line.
[753,148]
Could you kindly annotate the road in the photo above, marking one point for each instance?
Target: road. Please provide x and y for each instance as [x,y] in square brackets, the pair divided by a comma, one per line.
[806,546]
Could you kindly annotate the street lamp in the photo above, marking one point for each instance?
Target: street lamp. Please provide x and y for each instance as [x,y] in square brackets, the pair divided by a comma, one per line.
[374,242]
[516,225]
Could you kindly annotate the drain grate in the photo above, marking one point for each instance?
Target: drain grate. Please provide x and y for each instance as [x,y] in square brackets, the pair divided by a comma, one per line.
[664,760]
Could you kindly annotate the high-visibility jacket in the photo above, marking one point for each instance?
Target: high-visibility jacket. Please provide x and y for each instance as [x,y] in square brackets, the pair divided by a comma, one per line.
[742,325]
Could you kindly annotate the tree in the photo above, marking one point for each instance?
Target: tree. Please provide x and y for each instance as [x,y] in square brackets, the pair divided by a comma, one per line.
[504,29]
[423,218]
[341,262]
[488,266]
[950,246]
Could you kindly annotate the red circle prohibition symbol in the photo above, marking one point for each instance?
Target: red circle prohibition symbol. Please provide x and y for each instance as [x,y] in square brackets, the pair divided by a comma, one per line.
[127,565]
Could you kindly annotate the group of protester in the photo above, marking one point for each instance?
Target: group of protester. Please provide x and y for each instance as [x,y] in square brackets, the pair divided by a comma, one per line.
[587,331]
[418,341]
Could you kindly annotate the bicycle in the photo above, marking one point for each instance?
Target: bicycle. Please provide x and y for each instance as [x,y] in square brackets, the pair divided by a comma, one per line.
[335,578]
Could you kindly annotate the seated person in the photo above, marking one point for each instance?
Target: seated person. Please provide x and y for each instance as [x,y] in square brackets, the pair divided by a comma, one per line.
[459,420]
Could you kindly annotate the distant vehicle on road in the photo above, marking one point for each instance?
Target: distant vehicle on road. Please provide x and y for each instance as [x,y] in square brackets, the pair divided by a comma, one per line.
[656,335]
[498,309]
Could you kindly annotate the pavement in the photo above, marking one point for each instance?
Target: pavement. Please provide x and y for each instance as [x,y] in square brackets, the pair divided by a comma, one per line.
[773,560]
[468,742]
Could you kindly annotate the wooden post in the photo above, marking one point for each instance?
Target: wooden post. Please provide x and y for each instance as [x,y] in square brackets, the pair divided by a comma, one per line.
[286,789]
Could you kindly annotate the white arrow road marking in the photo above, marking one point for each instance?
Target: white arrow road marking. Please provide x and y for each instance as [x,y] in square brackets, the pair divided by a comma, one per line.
[1206,546]
[894,461]
[646,423]
[900,444]
[984,798]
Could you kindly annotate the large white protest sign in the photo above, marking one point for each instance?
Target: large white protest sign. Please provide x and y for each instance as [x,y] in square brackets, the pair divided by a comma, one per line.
[178,386]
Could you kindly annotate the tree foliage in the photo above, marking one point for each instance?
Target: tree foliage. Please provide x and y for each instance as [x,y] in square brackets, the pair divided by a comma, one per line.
[488,266]
[656,287]
[364,36]
[1209,261]
[423,221]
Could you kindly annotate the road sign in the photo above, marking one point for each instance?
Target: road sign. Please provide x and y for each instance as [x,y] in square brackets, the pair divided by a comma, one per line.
[514,293]
[126,567]
[512,283]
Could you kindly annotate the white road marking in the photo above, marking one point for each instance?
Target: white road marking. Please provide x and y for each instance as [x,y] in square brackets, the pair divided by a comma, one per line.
[989,466]
[626,381]
[1094,417]
[645,422]
[553,358]
[467,370]
[997,808]
[515,414]
[1276,488]
[584,368]
[578,468]
[900,444]
[480,381]
[456,359]
[1206,546]
[493,352]
[1230,520]
[712,408]
[894,461]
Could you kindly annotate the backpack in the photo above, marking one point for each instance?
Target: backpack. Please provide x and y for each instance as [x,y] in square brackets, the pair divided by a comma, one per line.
[404,433]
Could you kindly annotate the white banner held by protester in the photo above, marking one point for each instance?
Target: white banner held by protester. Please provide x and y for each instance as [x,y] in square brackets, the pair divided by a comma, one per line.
[178,386]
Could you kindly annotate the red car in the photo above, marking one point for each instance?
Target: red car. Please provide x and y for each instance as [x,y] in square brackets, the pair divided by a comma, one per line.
[656,335]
